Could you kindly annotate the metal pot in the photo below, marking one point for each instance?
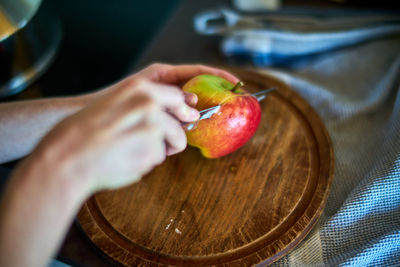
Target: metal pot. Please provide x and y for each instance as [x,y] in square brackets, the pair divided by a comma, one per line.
[29,38]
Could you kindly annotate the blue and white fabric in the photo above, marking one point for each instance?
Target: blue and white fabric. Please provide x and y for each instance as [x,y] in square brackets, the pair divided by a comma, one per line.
[348,69]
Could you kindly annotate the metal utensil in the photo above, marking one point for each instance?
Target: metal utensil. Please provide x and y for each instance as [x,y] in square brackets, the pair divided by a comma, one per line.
[207,113]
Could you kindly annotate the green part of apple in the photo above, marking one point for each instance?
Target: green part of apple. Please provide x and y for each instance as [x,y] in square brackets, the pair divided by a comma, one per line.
[212,90]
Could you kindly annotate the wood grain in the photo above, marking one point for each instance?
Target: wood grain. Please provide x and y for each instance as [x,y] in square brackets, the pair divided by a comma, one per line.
[250,207]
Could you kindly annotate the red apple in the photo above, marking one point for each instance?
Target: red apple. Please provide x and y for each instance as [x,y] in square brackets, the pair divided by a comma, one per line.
[232,126]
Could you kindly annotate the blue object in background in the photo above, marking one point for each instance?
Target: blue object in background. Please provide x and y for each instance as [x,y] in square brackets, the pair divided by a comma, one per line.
[283,40]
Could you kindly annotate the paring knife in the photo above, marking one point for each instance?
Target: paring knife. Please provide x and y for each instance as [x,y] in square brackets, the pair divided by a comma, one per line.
[208,112]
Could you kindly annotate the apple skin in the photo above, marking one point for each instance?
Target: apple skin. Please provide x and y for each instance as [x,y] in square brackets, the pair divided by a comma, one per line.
[232,126]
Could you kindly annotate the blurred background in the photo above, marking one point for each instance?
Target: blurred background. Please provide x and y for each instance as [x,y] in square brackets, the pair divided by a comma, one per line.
[99,42]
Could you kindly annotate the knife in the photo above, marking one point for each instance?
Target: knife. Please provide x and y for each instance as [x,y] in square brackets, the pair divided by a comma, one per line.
[208,112]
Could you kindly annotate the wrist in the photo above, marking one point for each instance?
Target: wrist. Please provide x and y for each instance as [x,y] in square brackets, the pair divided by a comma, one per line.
[51,159]
[54,173]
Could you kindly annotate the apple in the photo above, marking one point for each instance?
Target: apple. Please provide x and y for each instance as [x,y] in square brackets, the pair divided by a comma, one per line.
[232,126]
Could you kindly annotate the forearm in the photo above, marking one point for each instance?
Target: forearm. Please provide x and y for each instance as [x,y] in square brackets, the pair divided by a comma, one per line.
[38,206]
[24,123]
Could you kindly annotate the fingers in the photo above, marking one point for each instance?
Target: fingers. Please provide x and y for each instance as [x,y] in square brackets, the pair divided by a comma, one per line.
[174,135]
[179,74]
[152,144]
[129,112]
[133,154]
[162,105]
[164,127]
[168,97]
[173,100]
[190,99]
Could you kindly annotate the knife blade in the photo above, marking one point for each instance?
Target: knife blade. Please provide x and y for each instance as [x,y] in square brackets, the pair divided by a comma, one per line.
[207,113]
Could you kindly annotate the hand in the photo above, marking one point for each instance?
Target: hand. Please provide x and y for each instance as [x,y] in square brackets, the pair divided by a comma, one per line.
[127,130]
[124,132]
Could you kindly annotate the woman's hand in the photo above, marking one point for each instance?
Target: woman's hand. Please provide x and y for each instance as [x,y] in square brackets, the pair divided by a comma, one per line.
[119,135]
[129,129]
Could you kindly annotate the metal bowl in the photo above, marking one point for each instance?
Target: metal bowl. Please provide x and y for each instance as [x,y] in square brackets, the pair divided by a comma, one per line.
[27,52]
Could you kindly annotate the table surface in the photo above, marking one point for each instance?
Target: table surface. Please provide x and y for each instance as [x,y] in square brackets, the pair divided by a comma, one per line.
[175,43]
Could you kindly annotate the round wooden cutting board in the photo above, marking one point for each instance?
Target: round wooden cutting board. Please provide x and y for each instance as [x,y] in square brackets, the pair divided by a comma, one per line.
[247,208]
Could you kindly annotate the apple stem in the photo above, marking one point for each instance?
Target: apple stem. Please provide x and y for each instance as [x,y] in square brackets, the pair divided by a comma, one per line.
[237,86]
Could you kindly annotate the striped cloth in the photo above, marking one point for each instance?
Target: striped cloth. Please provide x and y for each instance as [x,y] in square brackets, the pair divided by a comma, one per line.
[350,74]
